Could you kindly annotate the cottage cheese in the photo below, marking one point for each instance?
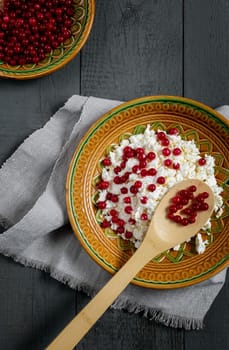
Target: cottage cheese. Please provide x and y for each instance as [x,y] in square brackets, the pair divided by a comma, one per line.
[189,167]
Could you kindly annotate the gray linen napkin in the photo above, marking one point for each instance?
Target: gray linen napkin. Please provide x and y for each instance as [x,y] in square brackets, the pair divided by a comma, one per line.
[33,212]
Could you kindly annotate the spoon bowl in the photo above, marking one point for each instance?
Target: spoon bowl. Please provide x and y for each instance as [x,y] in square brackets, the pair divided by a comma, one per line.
[162,234]
[168,234]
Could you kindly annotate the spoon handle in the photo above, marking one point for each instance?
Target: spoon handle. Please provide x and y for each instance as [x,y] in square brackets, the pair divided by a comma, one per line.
[81,324]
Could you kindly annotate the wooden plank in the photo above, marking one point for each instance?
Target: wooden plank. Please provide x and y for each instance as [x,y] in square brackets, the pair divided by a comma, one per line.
[206,73]
[124,331]
[27,105]
[215,334]
[33,306]
[135,49]
[206,53]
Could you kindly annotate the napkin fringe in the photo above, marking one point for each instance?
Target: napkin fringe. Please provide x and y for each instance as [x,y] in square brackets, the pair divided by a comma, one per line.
[4,223]
[159,316]
[120,303]
[56,274]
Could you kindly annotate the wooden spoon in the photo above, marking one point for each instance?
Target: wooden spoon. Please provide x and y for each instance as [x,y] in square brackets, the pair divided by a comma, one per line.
[162,234]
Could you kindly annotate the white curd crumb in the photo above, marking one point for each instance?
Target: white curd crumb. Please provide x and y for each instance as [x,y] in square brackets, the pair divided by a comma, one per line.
[177,247]
[200,244]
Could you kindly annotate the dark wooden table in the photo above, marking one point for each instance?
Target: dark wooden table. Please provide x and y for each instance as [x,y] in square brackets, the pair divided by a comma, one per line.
[136,48]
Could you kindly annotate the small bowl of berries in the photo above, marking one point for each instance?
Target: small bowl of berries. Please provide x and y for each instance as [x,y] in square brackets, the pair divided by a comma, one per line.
[38,37]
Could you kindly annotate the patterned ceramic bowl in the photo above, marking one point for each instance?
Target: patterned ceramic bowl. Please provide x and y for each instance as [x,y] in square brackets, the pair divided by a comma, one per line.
[81,27]
[195,121]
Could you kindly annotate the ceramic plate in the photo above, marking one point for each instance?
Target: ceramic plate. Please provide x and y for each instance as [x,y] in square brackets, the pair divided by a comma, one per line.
[172,269]
[82,20]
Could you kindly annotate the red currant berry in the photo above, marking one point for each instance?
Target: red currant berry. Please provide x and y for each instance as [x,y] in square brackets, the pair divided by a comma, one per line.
[142,164]
[33,22]
[184,221]
[161,180]
[151,187]
[109,196]
[144,200]
[120,230]
[144,217]
[205,195]
[68,23]
[138,184]
[4,26]
[6,18]
[127,149]
[176,151]
[132,221]
[184,201]
[129,154]
[114,198]
[144,172]
[117,180]
[101,205]
[127,200]
[103,185]
[184,193]
[123,164]
[139,150]
[113,212]
[58,12]
[200,198]
[195,206]
[127,175]
[176,199]
[128,234]
[40,16]
[173,131]
[165,142]
[114,219]
[187,211]
[202,161]
[172,209]
[152,172]
[191,219]
[177,218]
[176,166]
[133,189]
[128,209]
[166,152]
[170,216]
[106,161]
[191,196]
[161,135]
[121,222]
[105,223]
[117,169]
[124,190]
[204,206]
[135,169]
[141,156]
[192,188]
[167,162]
[151,156]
